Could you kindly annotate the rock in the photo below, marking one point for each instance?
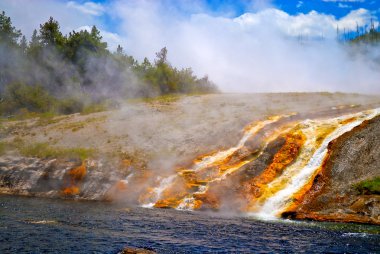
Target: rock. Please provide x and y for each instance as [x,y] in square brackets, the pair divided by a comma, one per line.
[131,250]
[355,156]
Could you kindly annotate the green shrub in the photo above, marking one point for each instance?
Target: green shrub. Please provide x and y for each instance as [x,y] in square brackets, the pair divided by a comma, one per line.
[371,186]
[69,106]
[93,108]
[19,97]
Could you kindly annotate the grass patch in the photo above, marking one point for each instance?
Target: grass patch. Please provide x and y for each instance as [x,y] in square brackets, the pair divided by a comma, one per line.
[100,107]
[371,186]
[47,120]
[167,98]
[75,126]
[24,114]
[44,150]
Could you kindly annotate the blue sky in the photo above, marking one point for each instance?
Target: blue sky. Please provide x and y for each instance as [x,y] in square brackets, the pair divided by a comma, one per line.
[107,19]
[338,8]
[231,8]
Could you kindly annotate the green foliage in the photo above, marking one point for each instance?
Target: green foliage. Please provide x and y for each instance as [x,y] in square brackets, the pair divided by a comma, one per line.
[22,102]
[8,33]
[34,46]
[364,36]
[83,43]
[50,34]
[165,79]
[69,106]
[23,44]
[371,186]
[77,73]
[24,114]
[20,96]
[371,37]
[161,57]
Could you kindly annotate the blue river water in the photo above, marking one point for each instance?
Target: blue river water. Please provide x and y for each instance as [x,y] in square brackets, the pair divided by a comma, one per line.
[37,225]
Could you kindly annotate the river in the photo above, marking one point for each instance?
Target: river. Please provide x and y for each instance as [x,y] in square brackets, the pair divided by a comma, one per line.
[38,225]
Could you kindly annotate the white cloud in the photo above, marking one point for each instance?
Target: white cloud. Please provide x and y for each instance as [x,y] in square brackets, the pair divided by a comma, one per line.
[312,24]
[255,52]
[87,8]
[359,17]
[344,6]
[299,4]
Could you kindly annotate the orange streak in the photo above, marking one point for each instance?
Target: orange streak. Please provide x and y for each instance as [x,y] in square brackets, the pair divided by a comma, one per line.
[76,175]
[284,157]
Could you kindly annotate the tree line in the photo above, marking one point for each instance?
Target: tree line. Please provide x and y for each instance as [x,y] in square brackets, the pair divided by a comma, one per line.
[366,34]
[67,73]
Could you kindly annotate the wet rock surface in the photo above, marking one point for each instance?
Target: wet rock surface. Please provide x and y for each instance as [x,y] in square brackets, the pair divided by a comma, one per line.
[354,157]
[56,178]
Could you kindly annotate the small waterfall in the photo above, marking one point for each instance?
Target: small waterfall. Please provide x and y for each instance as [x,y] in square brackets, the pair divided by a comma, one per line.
[157,191]
[279,193]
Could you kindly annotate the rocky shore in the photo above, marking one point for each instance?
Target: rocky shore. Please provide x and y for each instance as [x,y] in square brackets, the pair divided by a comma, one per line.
[354,158]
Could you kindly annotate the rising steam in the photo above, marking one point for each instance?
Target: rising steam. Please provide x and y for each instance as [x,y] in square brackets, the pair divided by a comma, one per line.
[263,51]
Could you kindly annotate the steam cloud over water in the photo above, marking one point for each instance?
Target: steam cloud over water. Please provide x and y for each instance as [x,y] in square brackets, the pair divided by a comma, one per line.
[258,51]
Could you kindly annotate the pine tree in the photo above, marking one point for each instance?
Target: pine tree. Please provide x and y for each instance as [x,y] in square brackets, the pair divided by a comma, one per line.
[119,50]
[23,45]
[97,40]
[8,33]
[34,45]
[50,35]
[161,57]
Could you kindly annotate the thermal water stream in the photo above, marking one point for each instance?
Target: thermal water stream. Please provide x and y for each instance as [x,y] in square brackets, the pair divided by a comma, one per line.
[276,195]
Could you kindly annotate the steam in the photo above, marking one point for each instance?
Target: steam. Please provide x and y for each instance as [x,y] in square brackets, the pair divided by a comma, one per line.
[256,52]
[262,50]
[63,79]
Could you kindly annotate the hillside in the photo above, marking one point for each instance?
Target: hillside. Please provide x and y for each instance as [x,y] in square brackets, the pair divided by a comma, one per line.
[133,154]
